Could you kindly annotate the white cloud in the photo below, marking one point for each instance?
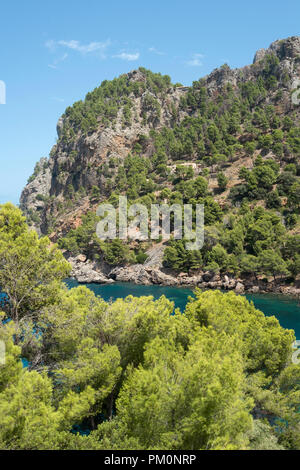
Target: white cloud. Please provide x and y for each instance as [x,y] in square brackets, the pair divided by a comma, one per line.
[156,51]
[99,48]
[96,46]
[57,61]
[195,61]
[85,49]
[60,100]
[127,56]
[50,45]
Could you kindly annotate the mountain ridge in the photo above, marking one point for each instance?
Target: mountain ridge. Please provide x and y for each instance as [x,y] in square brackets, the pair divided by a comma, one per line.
[232,138]
[287,49]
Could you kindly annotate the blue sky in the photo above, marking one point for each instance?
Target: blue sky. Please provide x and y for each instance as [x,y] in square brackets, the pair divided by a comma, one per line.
[53,52]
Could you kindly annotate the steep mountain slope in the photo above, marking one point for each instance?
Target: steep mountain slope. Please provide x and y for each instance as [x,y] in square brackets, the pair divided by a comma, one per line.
[231,141]
[94,137]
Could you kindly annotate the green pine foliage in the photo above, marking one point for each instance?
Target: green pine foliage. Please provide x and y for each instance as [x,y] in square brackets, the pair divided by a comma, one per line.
[134,374]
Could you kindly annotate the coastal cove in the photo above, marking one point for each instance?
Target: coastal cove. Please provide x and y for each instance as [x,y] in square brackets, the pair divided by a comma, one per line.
[285,309]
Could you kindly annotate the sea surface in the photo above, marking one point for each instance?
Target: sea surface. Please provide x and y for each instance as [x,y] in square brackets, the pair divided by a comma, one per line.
[285,309]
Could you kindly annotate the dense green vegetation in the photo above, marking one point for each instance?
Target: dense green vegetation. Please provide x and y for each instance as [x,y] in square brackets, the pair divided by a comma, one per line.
[248,242]
[236,242]
[106,100]
[238,122]
[84,240]
[129,374]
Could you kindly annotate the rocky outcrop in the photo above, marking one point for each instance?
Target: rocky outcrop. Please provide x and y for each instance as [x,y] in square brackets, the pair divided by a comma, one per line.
[139,274]
[85,271]
[155,256]
[35,195]
[91,272]
[284,49]
[76,164]
[239,288]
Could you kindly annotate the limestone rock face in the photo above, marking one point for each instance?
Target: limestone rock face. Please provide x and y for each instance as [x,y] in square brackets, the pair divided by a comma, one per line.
[35,195]
[59,126]
[239,288]
[254,289]
[140,274]
[136,274]
[286,48]
[87,272]
[259,55]
[155,256]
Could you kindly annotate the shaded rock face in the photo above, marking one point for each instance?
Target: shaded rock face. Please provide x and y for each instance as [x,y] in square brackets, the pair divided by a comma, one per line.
[59,126]
[259,55]
[36,193]
[284,49]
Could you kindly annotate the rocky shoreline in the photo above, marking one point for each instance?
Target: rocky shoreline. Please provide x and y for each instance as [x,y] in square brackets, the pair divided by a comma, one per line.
[86,272]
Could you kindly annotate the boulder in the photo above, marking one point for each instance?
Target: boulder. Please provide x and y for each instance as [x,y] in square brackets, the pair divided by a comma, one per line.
[207,276]
[253,289]
[239,288]
[136,274]
[87,272]
[81,258]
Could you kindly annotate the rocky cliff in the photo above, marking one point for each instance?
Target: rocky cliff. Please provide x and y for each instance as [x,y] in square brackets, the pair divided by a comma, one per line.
[77,164]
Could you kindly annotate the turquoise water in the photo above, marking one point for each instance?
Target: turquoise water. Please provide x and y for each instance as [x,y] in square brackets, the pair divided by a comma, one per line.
[285,309]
